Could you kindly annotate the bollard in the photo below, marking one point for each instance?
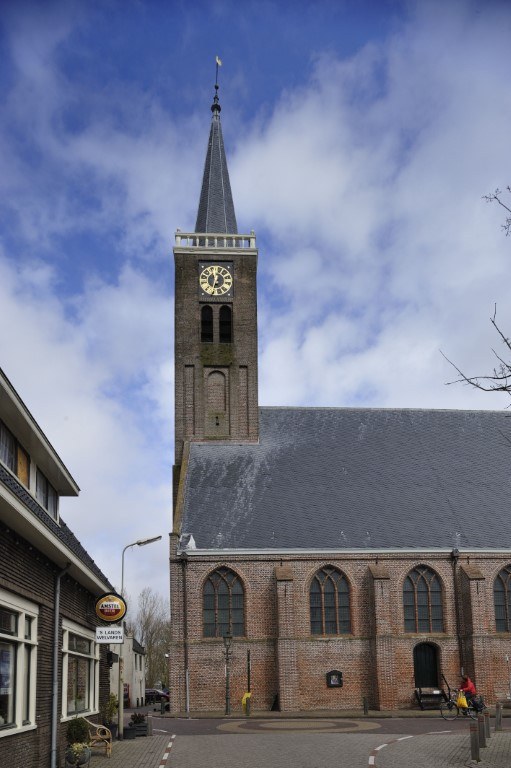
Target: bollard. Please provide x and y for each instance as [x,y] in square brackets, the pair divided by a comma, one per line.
[481,731]
[487,732]
[498,716]
[474,742]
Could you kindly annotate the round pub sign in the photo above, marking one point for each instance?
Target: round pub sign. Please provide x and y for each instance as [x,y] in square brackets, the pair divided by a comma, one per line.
[110,607]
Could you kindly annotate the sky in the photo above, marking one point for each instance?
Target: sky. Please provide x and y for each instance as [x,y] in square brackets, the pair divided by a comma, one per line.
[361,138]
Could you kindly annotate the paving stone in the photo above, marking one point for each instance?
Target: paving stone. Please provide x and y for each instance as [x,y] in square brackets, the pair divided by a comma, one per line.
[142,752]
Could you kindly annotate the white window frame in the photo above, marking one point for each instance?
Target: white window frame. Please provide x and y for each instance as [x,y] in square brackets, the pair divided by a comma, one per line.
[70,628]
[25,610]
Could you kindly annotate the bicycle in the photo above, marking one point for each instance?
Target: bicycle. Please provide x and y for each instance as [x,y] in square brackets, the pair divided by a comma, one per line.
[450,709]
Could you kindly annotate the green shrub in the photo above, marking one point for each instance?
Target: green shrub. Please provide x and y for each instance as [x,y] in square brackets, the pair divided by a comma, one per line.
[77,730]
[109,709]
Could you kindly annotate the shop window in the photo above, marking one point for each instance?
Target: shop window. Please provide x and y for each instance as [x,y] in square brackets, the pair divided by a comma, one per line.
[18,663]
[80,671]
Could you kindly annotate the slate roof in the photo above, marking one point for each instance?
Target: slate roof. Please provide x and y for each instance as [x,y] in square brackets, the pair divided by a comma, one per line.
[348,478]
[59,530]
[216,207]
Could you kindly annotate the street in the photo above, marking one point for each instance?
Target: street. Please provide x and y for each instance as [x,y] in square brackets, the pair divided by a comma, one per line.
[316,743]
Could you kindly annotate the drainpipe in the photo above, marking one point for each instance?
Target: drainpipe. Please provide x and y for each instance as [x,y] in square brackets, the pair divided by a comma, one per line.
[184,563]
[55,679]
[455,554]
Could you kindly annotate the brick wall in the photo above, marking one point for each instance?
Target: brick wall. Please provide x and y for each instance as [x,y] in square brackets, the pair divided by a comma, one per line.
[28,573]
[376,658]
[194,361]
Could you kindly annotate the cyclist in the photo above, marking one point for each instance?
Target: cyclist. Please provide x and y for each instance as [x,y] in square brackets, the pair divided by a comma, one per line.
[469,689]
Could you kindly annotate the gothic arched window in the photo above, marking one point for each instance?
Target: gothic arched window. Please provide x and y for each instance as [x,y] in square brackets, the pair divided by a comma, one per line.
[206,324]
[223,604]
[225,325]
[330,603]
[422,601]
[502,600]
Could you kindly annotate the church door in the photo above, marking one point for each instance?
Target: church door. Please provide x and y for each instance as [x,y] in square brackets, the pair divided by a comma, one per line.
[425,665]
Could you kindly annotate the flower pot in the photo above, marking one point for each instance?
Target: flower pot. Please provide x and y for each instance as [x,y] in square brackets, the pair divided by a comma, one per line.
[73,759]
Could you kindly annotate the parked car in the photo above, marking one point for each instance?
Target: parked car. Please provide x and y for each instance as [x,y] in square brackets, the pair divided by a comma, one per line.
[155,696]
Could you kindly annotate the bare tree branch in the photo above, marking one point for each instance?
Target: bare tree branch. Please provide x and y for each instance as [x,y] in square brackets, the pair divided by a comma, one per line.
[499,380]
[152,630]
[496,197]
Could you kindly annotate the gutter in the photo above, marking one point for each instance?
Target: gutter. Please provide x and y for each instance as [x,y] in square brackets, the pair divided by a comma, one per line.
[55,677]
[269,552]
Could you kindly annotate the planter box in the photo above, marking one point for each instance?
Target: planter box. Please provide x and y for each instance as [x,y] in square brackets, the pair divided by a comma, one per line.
[140,729]
[129,733]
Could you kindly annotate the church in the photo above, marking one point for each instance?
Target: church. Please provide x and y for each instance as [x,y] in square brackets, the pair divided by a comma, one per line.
[321,558]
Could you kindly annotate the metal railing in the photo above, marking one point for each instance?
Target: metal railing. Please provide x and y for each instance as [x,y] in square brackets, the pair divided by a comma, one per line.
[214,240]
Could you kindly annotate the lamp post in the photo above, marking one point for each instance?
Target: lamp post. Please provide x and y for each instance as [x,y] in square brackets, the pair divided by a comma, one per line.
[139,543]
[227,651]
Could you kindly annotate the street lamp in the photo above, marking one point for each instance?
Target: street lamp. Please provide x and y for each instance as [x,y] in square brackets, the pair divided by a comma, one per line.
[139,543]
[227,651]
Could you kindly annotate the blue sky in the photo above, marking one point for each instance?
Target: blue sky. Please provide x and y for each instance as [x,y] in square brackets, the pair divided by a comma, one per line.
[361,137]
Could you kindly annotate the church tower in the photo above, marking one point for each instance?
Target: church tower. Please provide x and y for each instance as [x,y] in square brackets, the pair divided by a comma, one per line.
[215,315]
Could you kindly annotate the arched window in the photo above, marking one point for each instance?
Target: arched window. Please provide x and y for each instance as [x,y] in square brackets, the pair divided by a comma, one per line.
[225,325]
[223,604]
[502,600]
[330,603]
[206,325]
[422,601]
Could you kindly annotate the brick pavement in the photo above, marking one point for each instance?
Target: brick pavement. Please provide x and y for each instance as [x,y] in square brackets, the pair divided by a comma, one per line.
[143,752]
[442,751]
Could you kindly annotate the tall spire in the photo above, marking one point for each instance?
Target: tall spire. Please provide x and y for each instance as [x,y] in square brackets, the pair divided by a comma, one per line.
[216,208]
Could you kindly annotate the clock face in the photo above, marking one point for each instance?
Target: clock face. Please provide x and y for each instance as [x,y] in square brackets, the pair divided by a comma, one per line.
[215,280]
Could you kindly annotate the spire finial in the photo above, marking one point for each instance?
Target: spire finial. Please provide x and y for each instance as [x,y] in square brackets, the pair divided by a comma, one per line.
[215,107]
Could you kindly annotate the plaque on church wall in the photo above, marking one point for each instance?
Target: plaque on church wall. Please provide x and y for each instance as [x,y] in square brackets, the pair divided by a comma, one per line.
[334,679]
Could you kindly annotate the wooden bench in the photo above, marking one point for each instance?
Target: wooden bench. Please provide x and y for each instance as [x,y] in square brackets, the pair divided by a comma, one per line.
[100,737]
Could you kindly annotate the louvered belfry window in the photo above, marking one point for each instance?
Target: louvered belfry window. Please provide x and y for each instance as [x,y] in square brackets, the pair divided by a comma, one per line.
[422,601]
[225,325]
[502,600]
[206,328]
[223,604]
[330,603]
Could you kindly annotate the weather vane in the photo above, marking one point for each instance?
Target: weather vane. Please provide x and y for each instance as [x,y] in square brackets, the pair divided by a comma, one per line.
[218,64]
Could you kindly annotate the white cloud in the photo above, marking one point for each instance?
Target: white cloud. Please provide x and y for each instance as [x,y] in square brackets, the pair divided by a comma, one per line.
[96,398]
[365,184]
